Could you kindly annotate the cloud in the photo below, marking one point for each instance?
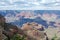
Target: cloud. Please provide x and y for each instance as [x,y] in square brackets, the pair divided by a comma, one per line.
[57,0]
[47,1]
[31,3]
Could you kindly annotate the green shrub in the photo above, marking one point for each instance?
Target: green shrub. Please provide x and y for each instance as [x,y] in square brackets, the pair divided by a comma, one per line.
[54,38]
[17,37]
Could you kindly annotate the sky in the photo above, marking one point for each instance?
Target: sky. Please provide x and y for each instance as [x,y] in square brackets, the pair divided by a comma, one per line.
[16,4]
[30,2]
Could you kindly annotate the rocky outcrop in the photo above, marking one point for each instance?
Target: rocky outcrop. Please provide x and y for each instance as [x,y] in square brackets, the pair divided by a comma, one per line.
[31,29]
[0,33]
[31,26]
[2,36]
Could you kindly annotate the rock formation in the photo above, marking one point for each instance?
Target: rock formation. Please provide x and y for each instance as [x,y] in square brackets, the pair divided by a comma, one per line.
[31,29]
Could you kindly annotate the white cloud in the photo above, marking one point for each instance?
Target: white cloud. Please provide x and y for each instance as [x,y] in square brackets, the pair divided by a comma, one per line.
[35,2]
[12,1]
[57,0]
[2,2]
[47,1]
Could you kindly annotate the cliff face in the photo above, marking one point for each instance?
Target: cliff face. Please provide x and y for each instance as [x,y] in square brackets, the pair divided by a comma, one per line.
[31,29]
[2,36]
[0,33]
[32,26]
